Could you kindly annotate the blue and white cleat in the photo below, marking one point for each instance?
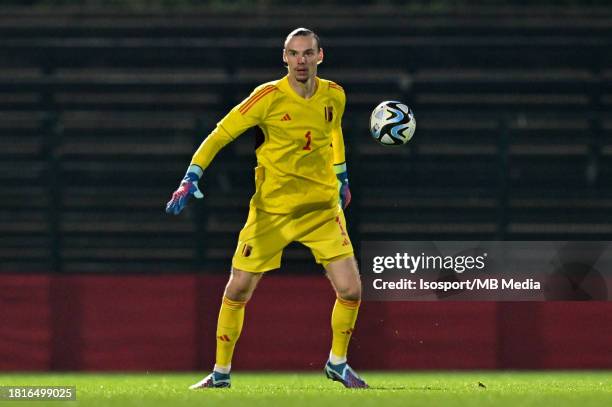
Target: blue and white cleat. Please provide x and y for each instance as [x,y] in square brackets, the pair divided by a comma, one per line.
[213,380]
[344,374]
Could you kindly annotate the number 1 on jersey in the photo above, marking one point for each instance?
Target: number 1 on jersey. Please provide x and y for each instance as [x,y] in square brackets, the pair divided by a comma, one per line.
[308,141]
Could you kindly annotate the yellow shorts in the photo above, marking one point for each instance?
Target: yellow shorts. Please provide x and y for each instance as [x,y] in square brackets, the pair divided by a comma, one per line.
[265,235]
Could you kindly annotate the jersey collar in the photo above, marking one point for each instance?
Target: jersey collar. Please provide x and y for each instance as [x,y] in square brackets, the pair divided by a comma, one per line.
[289,90]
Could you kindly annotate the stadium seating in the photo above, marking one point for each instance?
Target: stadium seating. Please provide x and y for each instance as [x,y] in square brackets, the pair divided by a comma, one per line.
[100,112]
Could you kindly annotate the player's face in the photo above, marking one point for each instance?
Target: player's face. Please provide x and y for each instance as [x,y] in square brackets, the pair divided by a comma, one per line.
[301,54]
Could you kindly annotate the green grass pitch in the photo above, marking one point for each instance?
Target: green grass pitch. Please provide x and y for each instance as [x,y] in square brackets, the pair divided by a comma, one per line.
[482,388]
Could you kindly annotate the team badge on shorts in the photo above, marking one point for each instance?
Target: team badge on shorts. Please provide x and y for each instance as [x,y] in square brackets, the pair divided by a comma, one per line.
[246,250]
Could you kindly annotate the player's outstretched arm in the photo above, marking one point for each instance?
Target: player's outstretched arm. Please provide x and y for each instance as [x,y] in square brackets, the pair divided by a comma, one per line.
[187,188]
[247,114]
[344,192]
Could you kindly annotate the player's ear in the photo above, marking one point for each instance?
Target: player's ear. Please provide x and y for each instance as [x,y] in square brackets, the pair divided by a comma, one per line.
[285,63]
[320,56]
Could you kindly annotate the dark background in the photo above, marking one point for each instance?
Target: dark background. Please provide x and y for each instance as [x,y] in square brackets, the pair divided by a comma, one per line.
[101,108]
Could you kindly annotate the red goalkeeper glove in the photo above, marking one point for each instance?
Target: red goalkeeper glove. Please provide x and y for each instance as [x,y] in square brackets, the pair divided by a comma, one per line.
[187,188]
[344,192]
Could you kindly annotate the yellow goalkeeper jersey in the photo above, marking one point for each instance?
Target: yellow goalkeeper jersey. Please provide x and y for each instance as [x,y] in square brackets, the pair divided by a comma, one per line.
[302,140]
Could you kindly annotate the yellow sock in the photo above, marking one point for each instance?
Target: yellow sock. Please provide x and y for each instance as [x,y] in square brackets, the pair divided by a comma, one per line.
[229,326]
[343,320]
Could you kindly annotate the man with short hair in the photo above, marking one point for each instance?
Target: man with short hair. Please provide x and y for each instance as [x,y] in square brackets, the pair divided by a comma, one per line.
[301,190]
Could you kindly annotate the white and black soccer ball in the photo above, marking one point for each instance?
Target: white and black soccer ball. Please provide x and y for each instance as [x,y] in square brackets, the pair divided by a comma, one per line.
[392,123]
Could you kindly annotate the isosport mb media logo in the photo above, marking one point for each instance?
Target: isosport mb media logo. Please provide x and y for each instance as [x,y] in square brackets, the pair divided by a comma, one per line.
[486,271]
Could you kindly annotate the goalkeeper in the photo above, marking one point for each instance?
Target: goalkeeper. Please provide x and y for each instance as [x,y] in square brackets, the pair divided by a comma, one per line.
[301,189]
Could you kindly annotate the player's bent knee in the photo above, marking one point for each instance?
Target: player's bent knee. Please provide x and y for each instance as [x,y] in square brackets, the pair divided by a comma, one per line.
[344,276]
[237,294]
[350,292]
[241,285]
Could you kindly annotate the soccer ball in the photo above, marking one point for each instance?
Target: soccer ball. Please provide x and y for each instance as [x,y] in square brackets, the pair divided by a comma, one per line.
[392,123]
